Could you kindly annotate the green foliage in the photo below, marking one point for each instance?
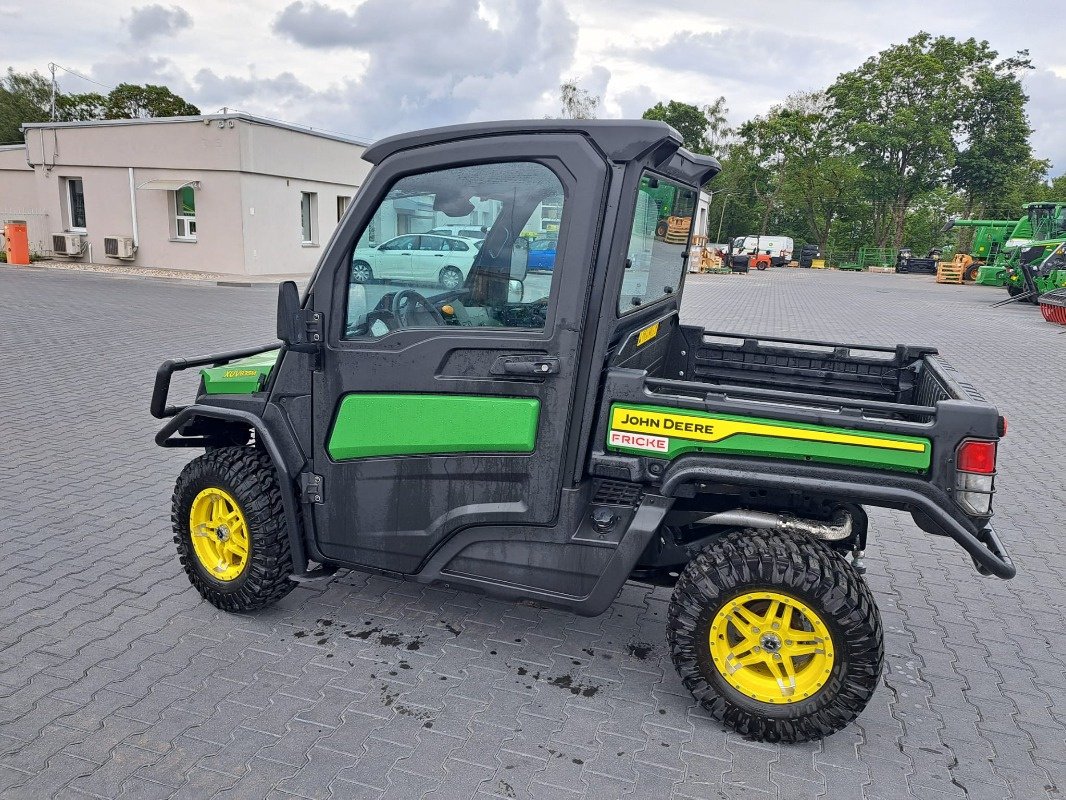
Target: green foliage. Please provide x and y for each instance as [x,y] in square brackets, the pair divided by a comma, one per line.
[130,101]
[931,128]
[27,97]
[24,97]
[905,112]
[703,130]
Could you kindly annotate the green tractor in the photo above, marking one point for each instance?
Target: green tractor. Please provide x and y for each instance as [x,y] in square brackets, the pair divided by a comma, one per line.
[1043,221]
[1040,268]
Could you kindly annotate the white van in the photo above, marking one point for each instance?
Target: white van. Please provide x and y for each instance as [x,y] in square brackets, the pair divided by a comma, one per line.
[779,248]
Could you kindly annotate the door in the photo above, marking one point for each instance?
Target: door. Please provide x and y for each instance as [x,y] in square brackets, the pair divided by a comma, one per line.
[429,259]
[395,257]
[439,409]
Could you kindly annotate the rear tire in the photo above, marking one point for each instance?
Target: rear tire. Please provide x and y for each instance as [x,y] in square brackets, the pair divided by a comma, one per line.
[829,687]
[244,479]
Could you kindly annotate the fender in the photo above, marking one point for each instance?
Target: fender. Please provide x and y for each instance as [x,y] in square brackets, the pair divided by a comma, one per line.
[916,496]
[264,436]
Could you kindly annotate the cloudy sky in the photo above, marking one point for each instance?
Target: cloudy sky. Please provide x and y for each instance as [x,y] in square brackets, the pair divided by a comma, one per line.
[376,67]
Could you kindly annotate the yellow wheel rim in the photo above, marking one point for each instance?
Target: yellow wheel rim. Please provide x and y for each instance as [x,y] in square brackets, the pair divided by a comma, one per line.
[219,534]
[771,647]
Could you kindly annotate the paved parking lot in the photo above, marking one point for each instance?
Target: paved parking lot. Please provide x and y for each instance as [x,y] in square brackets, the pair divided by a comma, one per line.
[117,681]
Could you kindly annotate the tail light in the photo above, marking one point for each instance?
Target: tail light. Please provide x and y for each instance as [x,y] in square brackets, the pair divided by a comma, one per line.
[975,470]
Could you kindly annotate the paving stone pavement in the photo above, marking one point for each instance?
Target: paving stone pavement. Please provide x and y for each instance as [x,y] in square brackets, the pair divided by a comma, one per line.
[116,681]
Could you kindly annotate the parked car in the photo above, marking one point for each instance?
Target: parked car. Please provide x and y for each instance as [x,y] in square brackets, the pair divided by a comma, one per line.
[420,257]
[542,253]
[463,231]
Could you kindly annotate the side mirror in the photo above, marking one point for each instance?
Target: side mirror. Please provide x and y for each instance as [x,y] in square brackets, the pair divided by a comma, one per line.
[519,261]
[516,290]
[299,329]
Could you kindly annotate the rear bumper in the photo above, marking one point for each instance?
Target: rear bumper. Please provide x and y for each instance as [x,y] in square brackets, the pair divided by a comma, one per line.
[931,507]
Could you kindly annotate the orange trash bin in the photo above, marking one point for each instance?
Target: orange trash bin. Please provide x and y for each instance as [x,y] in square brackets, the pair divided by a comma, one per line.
[18,243]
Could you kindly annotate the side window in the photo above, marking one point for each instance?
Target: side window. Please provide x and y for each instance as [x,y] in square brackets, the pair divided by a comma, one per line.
[401,243]
[657,242]
[75,204]
[450,281]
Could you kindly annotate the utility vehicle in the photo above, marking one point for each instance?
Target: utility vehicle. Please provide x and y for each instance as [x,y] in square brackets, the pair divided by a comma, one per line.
[549,437]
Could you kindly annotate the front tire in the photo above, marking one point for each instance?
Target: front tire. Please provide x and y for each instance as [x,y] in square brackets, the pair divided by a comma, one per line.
[450,278]
[229,528]
[361,272]
[971,272]
[776,635]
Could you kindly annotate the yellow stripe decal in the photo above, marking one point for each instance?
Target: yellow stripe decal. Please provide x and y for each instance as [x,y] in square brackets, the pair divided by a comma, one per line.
[712,429]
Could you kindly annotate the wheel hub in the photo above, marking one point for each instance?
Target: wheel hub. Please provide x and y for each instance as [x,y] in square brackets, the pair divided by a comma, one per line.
[771,647]
[219,534]
[770,642]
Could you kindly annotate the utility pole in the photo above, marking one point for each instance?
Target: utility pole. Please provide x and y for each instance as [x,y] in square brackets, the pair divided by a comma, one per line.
[52,69]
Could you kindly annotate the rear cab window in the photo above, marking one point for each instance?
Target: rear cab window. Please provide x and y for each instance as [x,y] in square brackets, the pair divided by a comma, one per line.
[658,241]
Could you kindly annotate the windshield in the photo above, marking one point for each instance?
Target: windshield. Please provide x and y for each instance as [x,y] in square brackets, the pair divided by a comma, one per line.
[1047,221]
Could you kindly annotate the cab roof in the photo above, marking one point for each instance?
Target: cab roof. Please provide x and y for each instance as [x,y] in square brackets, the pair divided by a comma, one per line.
[620,140]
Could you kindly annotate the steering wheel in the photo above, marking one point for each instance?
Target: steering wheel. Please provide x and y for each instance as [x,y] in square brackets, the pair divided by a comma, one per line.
[406,300]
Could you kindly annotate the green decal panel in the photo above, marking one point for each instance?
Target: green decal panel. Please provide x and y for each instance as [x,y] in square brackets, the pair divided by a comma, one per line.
[668,432]
[424,424]
[244,376]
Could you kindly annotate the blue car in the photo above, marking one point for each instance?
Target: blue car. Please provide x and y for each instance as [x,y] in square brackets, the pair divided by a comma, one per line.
[542,254]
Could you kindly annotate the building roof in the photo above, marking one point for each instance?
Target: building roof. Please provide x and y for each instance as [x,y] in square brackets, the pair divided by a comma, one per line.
[204,118]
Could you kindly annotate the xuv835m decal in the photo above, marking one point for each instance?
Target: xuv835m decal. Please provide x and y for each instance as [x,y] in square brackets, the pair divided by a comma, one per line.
[666,433]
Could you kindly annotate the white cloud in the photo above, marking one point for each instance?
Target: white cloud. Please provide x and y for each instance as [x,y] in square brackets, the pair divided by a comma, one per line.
[378,66]
[151,21]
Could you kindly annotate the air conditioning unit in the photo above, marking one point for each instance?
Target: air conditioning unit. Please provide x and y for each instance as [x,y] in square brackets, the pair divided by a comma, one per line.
[119,247]
[68,244]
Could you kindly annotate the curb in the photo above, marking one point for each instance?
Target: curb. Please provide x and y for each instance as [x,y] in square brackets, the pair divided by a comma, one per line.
[160,278]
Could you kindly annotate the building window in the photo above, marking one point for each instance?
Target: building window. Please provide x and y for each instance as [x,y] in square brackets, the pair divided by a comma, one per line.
[185,213]
[342,205]
[75,204]
[308,212]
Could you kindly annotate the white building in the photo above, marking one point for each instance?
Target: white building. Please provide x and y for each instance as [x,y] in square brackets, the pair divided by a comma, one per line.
[229,193]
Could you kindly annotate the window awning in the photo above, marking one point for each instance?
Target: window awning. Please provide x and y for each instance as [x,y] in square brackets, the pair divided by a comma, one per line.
[169,185]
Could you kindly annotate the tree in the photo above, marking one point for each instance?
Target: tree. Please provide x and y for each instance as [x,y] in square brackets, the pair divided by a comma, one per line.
[27,97]
[688,120]
[24,97]
[995,153]
[719,135]
[80,107]
[577,103]
[130,101]
[901,114]
[703,130]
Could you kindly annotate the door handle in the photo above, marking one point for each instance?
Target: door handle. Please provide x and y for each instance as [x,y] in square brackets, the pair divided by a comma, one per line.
[526,365]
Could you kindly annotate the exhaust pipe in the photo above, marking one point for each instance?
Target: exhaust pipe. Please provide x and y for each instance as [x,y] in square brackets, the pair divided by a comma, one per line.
[837,529]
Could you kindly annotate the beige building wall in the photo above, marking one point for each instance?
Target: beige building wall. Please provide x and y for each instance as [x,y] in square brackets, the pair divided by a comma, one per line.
[18,198]
[278,168]
[250,177]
